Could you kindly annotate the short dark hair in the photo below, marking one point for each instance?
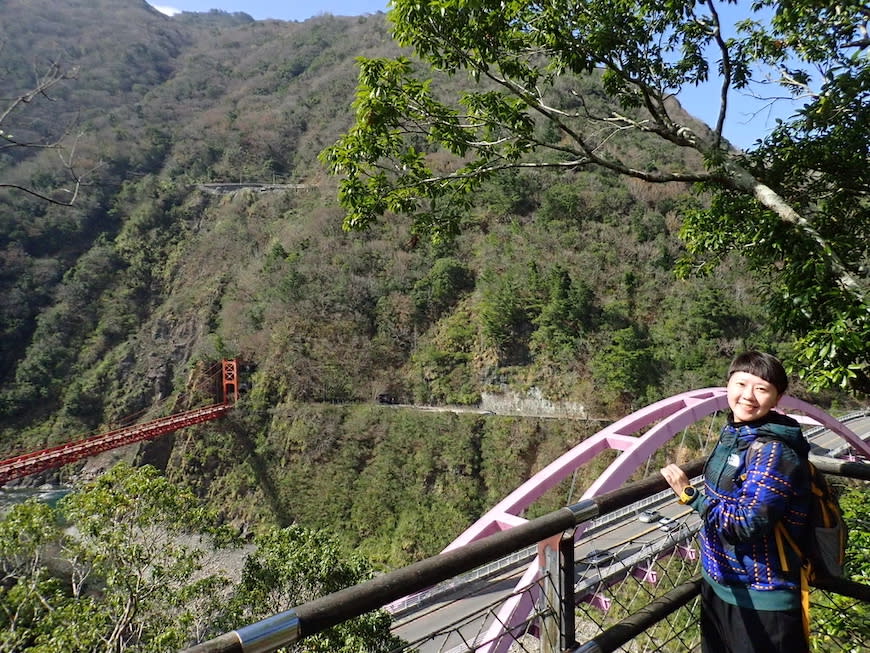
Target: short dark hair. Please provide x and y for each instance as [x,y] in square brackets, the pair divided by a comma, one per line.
[762,365]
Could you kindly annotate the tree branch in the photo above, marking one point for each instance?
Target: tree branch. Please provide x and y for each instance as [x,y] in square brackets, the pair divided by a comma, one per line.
[53,76]
[738,178]
[727,73]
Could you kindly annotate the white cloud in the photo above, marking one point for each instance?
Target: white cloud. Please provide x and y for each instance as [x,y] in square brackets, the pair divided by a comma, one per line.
[169,11]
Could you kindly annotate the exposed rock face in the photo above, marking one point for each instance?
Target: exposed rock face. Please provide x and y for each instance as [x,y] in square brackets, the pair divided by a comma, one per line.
[532,403]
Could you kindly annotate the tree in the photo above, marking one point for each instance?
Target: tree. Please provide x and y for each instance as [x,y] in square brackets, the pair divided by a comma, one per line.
[52,75]
[625,366]
[128,576]
[124,563]
[294,565]
[441,287]
[529,104]
[142,544]
[28,588]
[568,312]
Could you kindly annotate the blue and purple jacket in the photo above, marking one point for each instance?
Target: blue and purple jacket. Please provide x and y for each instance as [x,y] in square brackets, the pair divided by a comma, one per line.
[747,490]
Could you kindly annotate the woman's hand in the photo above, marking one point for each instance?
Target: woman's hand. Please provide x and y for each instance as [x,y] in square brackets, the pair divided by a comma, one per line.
[676,478]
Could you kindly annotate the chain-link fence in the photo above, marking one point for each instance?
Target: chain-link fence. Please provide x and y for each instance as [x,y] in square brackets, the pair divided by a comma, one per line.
[678,631]
[609,598]
[633,589]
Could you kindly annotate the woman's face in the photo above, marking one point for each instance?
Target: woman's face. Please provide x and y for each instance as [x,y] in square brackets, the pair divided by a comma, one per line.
[750,397]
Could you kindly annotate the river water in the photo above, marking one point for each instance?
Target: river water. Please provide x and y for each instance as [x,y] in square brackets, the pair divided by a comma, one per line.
[50,494]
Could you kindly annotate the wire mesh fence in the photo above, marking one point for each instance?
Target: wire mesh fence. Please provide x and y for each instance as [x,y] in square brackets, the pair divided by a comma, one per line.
[468,632]
[677,632]
[613,593]
[838,623]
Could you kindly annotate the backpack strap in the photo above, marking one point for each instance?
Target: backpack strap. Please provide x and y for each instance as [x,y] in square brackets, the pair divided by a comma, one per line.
[782,538]
[805,602]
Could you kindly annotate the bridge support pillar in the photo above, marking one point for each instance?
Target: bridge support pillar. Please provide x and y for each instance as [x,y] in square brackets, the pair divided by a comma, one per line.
[230,381]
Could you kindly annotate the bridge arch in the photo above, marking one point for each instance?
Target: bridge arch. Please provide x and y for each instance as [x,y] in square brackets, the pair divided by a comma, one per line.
[663,419]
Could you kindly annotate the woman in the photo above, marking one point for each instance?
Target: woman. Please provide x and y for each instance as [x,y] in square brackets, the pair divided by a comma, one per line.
[754,479]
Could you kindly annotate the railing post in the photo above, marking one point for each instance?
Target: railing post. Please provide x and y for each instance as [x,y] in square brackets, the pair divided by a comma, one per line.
[556,556]
[549,552]
[567,637]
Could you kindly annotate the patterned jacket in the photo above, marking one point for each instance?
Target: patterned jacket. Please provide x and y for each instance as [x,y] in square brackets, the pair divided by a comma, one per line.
[747,490]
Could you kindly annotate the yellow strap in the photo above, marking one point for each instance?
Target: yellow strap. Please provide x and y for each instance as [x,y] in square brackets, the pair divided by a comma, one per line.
[805,603]
[827,520]
[779,534]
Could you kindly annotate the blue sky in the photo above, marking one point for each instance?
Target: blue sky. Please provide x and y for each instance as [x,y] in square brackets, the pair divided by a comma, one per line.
[281,9]
[748,119]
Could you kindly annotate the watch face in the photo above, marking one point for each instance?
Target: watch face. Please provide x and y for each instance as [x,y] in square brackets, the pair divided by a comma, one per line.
[687,495]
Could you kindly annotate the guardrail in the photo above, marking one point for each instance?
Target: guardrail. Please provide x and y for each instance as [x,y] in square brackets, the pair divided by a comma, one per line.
[409,602]
[316,616]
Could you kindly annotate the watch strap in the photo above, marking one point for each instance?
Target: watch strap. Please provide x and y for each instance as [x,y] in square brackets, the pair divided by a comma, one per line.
[688,494]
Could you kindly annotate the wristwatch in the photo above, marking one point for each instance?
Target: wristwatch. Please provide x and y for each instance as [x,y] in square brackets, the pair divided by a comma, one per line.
[688,494]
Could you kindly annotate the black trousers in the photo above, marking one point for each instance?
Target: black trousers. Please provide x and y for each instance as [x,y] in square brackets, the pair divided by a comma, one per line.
[727,628]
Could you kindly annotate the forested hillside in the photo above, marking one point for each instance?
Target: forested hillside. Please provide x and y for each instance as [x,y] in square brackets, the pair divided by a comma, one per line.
[560,282]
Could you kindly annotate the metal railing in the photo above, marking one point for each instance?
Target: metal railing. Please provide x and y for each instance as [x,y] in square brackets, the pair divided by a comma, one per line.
[839,621]
[640,603]
[318,615]
[522,556]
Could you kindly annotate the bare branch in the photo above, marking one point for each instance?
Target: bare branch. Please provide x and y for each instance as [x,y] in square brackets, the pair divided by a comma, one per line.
[45,82]
[726,72]
[39,195]
[48,80]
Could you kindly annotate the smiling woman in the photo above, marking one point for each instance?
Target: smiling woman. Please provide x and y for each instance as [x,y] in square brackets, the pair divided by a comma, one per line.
[755,385]
[750,397]
[755,483]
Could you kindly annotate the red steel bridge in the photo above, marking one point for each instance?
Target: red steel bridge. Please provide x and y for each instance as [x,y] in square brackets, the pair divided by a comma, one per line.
[62,454]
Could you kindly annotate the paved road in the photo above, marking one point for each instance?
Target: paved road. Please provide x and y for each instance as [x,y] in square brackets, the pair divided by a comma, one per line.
[465,612]
[827,440]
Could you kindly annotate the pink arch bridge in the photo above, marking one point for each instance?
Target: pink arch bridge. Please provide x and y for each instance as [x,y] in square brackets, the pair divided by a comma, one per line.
[664,420]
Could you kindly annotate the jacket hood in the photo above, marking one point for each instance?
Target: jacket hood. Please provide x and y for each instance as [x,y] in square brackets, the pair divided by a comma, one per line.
[780,427]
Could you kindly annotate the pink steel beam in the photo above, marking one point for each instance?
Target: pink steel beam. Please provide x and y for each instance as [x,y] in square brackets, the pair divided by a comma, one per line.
[667,418]
[619,433]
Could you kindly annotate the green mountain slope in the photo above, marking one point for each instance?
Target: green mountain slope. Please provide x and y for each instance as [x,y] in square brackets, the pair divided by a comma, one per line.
[562,283]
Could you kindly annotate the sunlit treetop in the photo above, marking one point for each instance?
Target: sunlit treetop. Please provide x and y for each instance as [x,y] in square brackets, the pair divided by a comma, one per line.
[573,85]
